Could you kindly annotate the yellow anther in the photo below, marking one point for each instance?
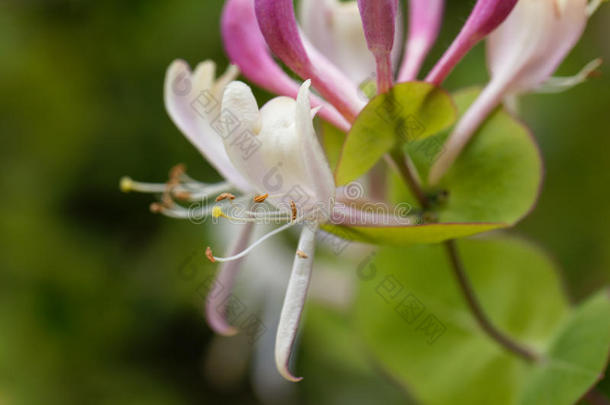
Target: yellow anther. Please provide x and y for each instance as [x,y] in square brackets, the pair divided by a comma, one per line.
[126,184]
[217,212]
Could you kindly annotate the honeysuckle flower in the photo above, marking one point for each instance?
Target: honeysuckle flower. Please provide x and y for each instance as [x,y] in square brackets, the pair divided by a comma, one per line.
[522,54]
[486,16]
[335,28]
[289,145]
[424,25]
[291,171]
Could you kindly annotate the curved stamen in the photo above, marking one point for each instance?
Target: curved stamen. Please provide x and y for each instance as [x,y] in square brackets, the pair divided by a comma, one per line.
[245,252]
[557,84]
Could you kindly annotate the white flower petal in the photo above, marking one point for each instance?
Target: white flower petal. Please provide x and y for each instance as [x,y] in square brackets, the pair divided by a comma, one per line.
[318,171]
[289,163]
[294,301]
[535,38]
[192,102]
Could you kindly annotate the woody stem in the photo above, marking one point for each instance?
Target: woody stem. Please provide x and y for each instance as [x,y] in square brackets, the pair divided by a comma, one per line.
[459,271]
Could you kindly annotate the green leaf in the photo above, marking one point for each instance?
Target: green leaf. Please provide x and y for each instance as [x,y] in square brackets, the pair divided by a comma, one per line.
[575,358]
[408,235]
[497,177]
[409,111]
[415,322]
[332,141]
[493,184]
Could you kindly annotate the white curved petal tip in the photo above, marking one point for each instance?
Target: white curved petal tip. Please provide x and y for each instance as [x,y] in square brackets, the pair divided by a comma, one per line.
[304,91]
[315,111]
[288,376]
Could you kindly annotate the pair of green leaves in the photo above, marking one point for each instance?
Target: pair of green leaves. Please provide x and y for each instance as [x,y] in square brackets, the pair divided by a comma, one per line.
[493,184]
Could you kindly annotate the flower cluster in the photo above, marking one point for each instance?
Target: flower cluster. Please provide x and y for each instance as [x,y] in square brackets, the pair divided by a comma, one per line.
[271,155]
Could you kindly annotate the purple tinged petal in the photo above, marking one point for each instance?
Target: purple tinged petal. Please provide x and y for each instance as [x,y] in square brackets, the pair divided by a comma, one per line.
[485,17]
[425,17]
[185,95]
[222,288]
[278,24]
[246,48]
[379,22]
[294,301]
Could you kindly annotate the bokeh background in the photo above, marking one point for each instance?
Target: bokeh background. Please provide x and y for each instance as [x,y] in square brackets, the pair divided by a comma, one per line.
[95,306]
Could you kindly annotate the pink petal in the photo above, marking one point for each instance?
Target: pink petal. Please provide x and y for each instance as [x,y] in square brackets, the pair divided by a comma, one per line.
[379,22]
[278,24]
[424,25]
[222,288]
[246,47]
[485,17]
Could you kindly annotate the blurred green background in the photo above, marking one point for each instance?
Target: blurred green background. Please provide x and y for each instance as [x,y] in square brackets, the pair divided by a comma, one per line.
[94,307]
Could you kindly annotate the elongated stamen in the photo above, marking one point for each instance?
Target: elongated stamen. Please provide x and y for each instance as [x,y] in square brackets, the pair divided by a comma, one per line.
[178,212]
[252,217]
[294,301]
[208,191]
[259,217]
[269,215]
[255,244]
[127,185]
[559,84]
[188,190]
